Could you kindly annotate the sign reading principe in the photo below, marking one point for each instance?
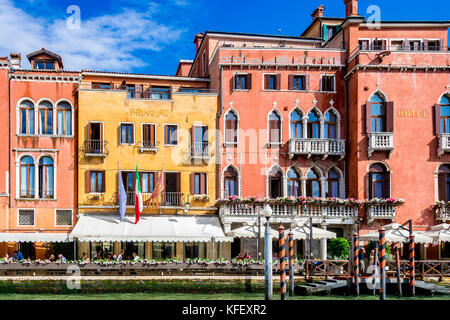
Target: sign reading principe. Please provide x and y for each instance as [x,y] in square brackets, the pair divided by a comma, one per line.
[149,113]
[418,113]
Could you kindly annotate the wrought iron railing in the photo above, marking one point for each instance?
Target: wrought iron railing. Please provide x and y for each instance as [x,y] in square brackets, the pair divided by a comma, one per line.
[173,199]
[93,147]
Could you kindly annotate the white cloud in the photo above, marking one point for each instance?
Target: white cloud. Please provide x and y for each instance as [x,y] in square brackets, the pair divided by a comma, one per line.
[106,42]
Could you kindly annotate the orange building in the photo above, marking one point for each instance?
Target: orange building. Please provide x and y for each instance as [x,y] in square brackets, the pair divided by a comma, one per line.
[42,172]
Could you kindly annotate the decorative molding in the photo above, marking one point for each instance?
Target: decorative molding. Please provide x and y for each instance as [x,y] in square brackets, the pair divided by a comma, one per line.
[47,77]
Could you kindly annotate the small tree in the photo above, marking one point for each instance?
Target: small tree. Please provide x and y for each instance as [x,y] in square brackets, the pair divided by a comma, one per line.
[339,247]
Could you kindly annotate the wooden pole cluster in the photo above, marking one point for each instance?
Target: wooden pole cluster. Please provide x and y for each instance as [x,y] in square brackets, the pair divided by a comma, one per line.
[356,261]
[399,277]
[291,263]
[282,256]
[382,240]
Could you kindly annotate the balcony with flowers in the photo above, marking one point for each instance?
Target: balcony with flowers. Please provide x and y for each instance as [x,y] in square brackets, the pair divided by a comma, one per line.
[442,211]
[382,208]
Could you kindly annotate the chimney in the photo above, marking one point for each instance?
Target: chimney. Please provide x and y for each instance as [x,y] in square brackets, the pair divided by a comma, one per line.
[318,13]
[351,8]
[198,40]
[16,58]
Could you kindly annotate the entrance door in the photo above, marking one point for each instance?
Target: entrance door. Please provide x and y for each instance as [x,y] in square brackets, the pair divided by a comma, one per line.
[235,248]
[128,179]
[275,187]
[172,195]
[95,137]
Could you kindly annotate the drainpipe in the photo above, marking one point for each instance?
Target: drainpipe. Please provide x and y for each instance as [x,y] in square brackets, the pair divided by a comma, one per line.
[219,114]
[9,145]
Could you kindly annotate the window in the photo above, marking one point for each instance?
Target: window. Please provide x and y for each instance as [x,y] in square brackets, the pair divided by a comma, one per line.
[64,217]
[299,82]
[193,250]
[397,45]
[364,44]
[378,106]
[293,183]
[444,183]
[163,250]
[274,128]
[26,117]
[130,91]
[199,139]
[379,182]
[275,183]
[129,180]
[231,128]
[148,180]
[44,65]
[414,45]
[27,176]
[433,45]
[204,63]
[160,93]
[46,188]
[126,133]
[64,114]
[333,184]
[296,124]
[45,118]
[330,125]
[242,81]
[444,105]
[313,125]
[95,181]
[327,83]
[148,135]
[101,85]
[272,81]
[199,182]
[379,44]
[170,134]
[313,187]
[26,217]
[230,182]
[95,142]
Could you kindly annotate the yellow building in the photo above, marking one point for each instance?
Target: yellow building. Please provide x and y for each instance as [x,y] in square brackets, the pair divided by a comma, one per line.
[166,126]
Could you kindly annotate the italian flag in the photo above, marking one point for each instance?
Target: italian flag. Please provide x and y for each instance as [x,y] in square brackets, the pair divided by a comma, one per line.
[138,205]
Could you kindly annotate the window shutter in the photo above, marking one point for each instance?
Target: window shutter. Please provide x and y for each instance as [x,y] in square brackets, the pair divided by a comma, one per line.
[387,185]
[437,119]
[322,84]
[178,182]
[192,136]
[370,185]
[233,82]
[87,178]
[103,181]
[390,116]
[203,183]
[248,83]
[205,134]
[291,82]
[425,44]
[442,186]
[307,82]
[331,80]
[441,45]
[266,81]
[368,117]
[325,32]
[278,81]
[192,178]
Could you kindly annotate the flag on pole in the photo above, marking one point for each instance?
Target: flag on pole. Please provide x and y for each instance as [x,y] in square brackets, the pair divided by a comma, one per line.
[158,188]
[138,206]
[122,196]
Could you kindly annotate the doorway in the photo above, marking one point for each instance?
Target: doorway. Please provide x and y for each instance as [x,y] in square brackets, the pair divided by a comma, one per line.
[27,249]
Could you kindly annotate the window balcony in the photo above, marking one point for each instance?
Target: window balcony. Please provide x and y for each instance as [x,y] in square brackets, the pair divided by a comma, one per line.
[443,144]
[200,151]
[148,146]
[380,141]
[380,211]
[172,199]
[95,148]
[442,212]
[320,147]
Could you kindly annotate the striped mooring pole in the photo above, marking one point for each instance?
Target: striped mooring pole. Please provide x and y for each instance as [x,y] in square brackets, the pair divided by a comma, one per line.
[382,241]
[356,261]
[375,262]
[282,253]
[399,276]
[412,271]
[291,263]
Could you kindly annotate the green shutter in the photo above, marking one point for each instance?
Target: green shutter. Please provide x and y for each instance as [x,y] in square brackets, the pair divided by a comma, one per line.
[325,32]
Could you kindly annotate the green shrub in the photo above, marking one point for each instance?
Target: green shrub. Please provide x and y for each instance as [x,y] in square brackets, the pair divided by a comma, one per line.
[339,248]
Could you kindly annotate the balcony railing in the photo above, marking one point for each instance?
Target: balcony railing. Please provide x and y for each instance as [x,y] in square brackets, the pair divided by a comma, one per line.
[95,148]
[312,146]
[442,213]
[444,144]
[173,199]
[149,93]
[148,146]
[196,91]
[380,211]
[200,150]
[380,141]
[399,48]
[131,198]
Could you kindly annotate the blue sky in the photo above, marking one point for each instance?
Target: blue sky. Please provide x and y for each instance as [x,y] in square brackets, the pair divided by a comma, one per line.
[151,36]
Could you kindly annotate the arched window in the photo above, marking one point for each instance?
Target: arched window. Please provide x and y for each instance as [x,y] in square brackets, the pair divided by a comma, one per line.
[45,118]
[275,183]
[230,182]
[26,117]
[293,183]
[231,128]
[379,182]
[445,113]
[444,183]
[296,125]
[64,114]
[378,113]
[46,177]
[274,128]
[330,125]
[27,175]
[333,183]
[313,125]
[313,187]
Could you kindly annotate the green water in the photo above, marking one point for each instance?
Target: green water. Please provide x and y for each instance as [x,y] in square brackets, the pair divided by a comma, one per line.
[193,296]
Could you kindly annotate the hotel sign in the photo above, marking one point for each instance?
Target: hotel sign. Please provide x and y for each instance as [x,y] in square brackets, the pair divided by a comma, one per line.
[412,113]
[156,113]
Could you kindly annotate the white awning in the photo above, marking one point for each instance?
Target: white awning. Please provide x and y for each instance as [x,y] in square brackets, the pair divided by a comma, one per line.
[107,227]
[439,233]
[33,237]
[394,233]
[301,233]
[251,232]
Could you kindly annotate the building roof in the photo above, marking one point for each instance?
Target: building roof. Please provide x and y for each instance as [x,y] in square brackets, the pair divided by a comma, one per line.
[141,75]
[45,51]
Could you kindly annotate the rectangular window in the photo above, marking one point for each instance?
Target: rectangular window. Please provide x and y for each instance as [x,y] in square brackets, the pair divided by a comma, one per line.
[101,85]
[299,82]
[97,181]
[127,133]
[242,81]
[148,181]
[130,91]
[148,135]
[434,45]
[160,93]
[163,250]
[199,181]
[44,65]
[26,218]
[272,81]
[379,44]
[397,45]
[363,44]
[195,250]
[327,83]
[64,217]
[170,134]
[204,63]
[414,45]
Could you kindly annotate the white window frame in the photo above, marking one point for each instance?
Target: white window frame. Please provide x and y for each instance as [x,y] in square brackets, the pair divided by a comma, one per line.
[71,121]
[37,118]
[34,217]
[365,39]
[206,186]
[18,124]
[279,114]
[334,82]
[63,225]
[178,135]
[434,39]
[222,180]
[134,134]
[306,79]
[372,40]
[54,176]
[396,39]
[225,142]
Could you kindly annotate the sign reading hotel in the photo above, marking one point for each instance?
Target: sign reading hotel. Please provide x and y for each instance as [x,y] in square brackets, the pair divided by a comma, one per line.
[412,113]
[149,113]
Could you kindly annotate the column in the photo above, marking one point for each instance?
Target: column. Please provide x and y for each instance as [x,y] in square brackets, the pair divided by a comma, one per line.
[323,186]
[148,250]
[226,252]
[117,247]
[305,127]
[180,250]
[303,186]
[323,245]
[322,127]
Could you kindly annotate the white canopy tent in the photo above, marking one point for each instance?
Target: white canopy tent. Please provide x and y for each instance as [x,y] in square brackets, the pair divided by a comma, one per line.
[33,237]
[300,233]
[303,232]
[439,233]
[107,227]
[394,233]
[251,232]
